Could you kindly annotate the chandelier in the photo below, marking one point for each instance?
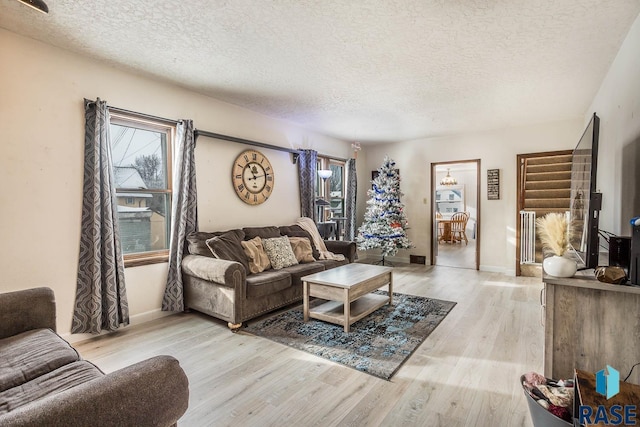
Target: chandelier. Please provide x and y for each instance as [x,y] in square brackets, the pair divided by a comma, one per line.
[448,180]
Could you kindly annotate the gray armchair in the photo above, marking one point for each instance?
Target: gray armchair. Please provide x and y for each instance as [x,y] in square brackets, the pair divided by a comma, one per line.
[68,391]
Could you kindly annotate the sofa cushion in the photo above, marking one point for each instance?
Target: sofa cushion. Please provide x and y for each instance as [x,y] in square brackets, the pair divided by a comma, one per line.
[197,242]
[301,247]
[279,251]
[332,263]
[59,380]
[300,270]
[266,283]
[258,259]
[227,246]
[297,231]
[262,232]
[31,354]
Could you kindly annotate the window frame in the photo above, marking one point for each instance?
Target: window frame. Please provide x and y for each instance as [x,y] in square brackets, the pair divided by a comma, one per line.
[324,190]
[144,122]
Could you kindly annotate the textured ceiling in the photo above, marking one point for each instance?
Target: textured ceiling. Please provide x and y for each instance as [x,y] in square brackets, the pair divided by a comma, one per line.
[371,71]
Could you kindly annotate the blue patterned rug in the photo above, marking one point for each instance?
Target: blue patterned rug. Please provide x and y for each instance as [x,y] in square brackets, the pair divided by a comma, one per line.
[377,344]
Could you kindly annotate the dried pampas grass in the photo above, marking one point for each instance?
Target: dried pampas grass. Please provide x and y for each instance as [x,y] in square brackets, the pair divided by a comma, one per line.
[553,230]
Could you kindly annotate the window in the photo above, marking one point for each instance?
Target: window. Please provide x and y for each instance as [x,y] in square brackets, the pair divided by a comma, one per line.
[141,154]
[333,189]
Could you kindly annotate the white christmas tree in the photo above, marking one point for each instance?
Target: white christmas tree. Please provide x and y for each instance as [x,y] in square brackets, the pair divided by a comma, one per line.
[385,223]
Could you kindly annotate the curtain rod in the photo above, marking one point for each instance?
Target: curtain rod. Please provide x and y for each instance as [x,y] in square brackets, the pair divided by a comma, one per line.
[198,133]
[295,153]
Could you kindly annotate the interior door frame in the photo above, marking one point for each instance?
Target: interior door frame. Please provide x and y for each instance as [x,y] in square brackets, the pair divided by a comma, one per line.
[434,235]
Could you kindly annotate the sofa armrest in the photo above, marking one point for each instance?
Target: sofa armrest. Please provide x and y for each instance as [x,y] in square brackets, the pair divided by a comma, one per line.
[154,392]
[344,247]
[28,309]
[213,269]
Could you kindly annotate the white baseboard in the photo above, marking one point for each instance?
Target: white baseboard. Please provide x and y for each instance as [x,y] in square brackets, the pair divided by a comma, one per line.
[136,319]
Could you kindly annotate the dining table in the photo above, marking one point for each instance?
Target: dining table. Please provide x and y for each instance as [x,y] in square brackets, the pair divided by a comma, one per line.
[446,235]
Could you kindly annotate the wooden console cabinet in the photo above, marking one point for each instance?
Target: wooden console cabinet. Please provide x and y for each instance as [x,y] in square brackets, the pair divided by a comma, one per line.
[588,325]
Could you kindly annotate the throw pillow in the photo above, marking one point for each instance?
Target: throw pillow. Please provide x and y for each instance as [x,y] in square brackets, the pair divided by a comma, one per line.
[279,251]
[297,231]
[227,246]
[302,249]
[197,241]
[197,244]
[258,259]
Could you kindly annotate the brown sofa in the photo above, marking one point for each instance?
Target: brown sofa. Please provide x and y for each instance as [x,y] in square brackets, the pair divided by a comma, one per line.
[45,382]
[226,290]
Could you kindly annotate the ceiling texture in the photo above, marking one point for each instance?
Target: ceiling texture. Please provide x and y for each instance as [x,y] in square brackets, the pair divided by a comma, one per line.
[359,70]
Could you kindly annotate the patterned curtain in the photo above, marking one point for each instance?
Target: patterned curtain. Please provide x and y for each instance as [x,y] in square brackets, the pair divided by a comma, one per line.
[350,201]
[307,170]
[184,216]
[101,297]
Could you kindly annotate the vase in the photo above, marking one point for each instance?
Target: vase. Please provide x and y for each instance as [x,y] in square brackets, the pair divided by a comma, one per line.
[559,266]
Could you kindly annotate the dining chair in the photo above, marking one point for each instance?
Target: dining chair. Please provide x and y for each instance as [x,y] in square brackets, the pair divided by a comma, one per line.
[458,225]
[440,226]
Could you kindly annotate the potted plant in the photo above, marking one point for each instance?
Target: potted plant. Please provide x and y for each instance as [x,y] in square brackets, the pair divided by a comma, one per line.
[554,233]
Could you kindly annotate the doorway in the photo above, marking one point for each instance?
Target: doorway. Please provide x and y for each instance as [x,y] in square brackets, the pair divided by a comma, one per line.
[455,213]
[544,186]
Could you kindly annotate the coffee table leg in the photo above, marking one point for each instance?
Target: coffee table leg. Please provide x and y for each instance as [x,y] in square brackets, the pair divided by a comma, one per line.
[390,288]
[347,310]
[305,300]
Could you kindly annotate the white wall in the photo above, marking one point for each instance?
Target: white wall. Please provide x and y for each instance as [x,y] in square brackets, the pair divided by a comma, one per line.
[41,157]
[617,103]
[496,149]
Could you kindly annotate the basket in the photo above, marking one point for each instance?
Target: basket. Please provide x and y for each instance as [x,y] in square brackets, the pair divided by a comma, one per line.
[539,415]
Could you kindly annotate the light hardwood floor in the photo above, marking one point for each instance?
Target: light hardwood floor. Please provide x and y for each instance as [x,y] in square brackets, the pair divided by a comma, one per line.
[466,373]
[457,254]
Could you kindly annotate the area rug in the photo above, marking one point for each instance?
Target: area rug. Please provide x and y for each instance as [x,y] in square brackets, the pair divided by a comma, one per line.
[377,344]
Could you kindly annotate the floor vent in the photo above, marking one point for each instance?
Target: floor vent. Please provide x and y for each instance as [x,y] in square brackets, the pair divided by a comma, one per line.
[417,259]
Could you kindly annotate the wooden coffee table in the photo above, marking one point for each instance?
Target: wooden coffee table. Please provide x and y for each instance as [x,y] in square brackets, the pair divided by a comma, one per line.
[348,291]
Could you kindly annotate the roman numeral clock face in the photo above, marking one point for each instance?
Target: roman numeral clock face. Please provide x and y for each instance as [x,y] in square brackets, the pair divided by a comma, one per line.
[252,177]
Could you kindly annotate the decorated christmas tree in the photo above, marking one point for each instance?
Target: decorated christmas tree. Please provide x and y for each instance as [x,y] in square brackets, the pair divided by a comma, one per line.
[385,223]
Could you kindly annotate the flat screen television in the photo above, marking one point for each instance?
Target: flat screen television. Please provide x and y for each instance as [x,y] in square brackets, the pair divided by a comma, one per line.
[585,201]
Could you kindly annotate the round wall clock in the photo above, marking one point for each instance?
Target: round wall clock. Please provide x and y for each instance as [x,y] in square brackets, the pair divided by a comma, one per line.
[252,177]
